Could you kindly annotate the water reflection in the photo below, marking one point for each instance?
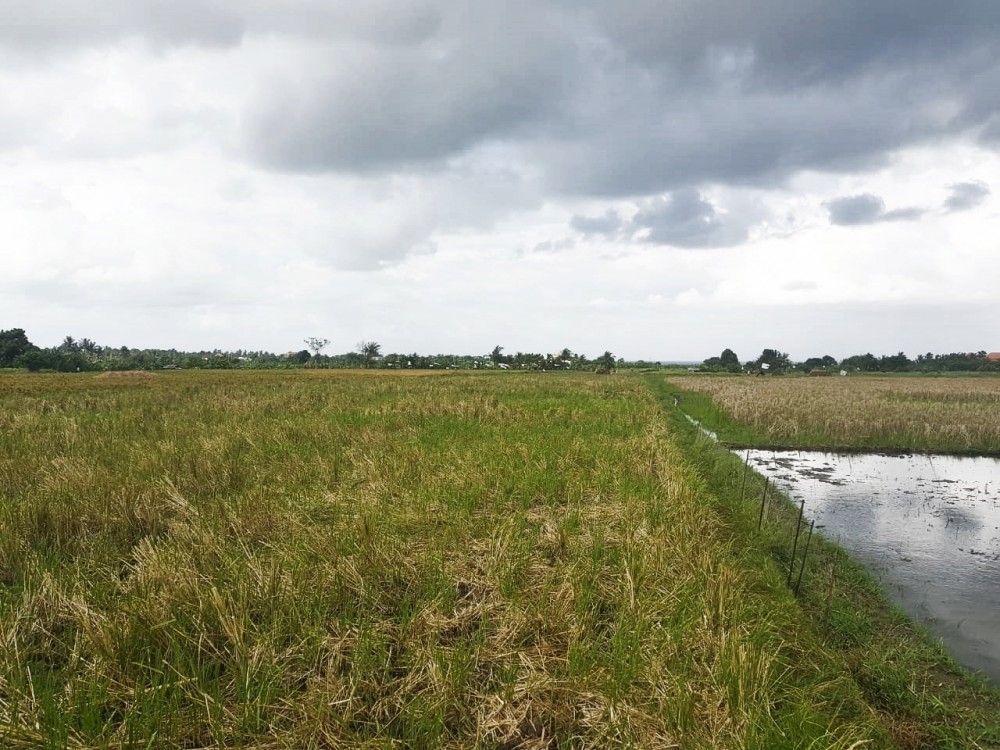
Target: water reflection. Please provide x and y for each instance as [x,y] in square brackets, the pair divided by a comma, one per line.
[929,527]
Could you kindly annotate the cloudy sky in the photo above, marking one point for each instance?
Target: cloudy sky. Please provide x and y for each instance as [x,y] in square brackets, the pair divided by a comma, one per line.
[661,178]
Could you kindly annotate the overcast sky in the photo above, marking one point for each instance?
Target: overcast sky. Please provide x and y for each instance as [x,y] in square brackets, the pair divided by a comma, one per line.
[661,178]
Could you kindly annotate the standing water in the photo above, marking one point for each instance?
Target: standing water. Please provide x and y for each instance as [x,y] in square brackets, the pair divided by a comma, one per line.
[928,526]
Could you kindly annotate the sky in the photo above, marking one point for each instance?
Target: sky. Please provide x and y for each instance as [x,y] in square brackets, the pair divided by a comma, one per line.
[659,178]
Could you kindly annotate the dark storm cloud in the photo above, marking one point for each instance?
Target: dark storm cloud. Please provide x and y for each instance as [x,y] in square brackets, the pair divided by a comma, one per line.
[800,41]
[685,218]
[631,147]
[499,75]
[628,99]
[32,26]
[609,224]
[990,134]
[853,210]
[642,97]
[966,195]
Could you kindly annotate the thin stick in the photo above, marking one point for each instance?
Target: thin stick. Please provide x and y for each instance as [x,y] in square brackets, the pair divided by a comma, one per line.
[805,554]
[795,544]
[829,592]
[763,501]
[746,467]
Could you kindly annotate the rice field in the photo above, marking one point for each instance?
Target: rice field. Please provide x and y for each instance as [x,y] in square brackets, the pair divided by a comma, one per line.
[318,560]
[946,415]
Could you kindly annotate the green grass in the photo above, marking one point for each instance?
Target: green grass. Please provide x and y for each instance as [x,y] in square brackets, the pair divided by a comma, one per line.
[905,675]
[315,559]
[710,416]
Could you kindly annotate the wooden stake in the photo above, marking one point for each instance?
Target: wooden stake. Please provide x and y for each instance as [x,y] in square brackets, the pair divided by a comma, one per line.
[795,544]
[805,554]
[763,500]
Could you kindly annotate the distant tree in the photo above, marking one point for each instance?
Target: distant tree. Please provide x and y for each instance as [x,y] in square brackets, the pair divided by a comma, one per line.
[895,363]
[53,359]
[13,344]
[302,357]
[606,361]
[497,354]
[819,363]
[69,345]
[369,350]
[775,360]
[863,362]
[725,362]
[316,345]
[38,359]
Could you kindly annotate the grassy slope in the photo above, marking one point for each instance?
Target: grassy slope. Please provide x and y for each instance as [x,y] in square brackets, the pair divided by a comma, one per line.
[946,415]
[333,560]
[922,696]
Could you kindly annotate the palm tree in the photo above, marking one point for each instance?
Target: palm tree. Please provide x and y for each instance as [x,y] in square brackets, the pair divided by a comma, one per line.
[606,360]
[369,350]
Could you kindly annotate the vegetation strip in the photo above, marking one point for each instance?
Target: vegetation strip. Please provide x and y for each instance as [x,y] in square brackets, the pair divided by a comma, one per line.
[921,695]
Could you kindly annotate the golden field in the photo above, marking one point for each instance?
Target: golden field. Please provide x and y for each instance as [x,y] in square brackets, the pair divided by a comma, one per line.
[951,414]
[311,559]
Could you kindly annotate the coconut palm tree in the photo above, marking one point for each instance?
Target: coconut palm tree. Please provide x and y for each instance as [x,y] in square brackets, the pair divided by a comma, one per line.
[369,350]
[606,361]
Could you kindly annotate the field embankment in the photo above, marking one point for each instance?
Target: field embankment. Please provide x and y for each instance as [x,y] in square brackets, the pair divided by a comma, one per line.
[941,415]
[905,674]
[309,560]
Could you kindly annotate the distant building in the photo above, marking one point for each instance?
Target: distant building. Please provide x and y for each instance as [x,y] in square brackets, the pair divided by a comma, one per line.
[993,357]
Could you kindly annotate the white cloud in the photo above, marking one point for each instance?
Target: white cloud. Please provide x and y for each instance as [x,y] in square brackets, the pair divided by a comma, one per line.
[408,173]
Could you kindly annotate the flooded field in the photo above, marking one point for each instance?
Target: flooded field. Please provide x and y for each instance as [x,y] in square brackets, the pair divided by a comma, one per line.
[928,526]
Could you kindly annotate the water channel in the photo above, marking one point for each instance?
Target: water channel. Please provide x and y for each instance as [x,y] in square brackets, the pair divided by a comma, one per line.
[927,526]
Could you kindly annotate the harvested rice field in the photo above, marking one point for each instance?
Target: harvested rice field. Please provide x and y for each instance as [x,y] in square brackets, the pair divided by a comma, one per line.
[943,415]
[311,559]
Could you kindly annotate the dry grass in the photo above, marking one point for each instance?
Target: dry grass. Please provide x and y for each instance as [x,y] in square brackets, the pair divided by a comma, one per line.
[311,560]
[130,376]
[934,414]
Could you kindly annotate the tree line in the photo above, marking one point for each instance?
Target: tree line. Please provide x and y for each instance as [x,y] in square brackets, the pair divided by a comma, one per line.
[775,361]
[78,355]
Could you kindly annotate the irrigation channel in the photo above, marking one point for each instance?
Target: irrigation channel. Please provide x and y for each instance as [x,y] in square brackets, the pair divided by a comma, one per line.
[927,525]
